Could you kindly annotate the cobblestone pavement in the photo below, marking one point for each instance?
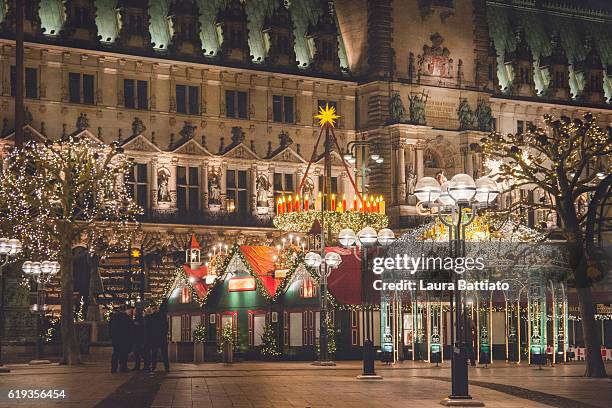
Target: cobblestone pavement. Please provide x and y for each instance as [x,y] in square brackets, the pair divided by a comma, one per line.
[299,384]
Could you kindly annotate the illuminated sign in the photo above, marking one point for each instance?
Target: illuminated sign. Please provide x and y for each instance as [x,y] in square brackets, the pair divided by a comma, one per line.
[242,284]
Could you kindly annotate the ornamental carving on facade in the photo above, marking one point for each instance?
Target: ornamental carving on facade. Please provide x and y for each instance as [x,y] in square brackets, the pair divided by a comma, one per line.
[214,188]
[163,191]
[435,59]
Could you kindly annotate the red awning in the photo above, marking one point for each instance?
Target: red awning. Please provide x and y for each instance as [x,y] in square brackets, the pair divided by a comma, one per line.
[261,260]
[198,274]
[345,282]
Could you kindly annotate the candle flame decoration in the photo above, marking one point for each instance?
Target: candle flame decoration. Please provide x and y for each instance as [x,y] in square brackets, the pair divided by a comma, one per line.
[294,212]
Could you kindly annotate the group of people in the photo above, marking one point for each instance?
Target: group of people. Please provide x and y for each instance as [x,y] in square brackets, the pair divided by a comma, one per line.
[142,332]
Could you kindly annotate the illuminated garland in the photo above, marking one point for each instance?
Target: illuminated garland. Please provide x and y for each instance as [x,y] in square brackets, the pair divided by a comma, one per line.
[269,345]
[69,190]
[302,221]
[199,333]
[183,281]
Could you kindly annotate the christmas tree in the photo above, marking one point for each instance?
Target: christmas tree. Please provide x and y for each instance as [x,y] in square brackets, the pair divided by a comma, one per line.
[268,338]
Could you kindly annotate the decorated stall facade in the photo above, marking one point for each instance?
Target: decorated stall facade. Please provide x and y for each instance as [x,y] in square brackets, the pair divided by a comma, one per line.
[525,322]
[271,301]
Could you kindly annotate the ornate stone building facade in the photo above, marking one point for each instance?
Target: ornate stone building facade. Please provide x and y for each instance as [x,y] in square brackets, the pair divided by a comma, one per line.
[214,100]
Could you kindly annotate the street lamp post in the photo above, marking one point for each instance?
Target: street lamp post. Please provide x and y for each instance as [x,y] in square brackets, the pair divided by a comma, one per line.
[41,272]
[451,199]
[8,248]
[366,238]
[324,265]
[351,157]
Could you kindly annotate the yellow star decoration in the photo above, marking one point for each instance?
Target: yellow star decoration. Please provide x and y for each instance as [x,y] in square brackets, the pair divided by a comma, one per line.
[327,115]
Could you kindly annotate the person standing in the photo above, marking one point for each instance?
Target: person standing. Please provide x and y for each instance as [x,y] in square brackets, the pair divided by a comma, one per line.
[159,342]
[139,341]
[120,326]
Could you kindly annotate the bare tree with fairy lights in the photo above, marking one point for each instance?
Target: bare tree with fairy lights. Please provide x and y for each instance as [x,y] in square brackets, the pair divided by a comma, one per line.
[56,195]
[567,165]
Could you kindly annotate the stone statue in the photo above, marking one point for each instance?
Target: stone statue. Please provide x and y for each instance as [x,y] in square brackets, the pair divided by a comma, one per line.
[27,116]
[188,130]
[440,177]
[410,182]
[263,186]
[238,135]
[284,139]
[484,116]
[417,108]
[308,190]
[138,126]
[465,114]
[396,108]
[163,193]
[82,122]
[214,188]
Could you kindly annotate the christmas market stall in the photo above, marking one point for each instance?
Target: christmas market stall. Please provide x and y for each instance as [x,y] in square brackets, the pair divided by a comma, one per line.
[519,313]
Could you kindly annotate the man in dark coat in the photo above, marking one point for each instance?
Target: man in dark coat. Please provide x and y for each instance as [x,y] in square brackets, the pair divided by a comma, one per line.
[139,341]
[120,325]
[156,335]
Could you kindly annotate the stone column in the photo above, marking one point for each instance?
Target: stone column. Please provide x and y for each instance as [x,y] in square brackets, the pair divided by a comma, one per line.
[172,183]
[401,191]
[469,161]
[252,189]
[153,183]
[204,186]
[420,166]
[223,185]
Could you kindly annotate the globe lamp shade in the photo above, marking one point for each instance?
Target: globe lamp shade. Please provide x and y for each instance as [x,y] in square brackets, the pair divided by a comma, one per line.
[486,190]
[462,188]
[367,236]
[445,199]
[386,237]
[347,237]
[312,259]
[427,190]
[333,259]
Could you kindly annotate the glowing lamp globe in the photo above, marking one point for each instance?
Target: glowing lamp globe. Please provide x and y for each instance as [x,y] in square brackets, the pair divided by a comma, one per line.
[36,268]
[312,259]
[486,190]
[15,246]
[46,267]
[367,236]
[347,237]
[4,246]
[386,237]
[375,156]
[427,189]
[333,259]
[462,188]
[27,267]
[55,267]
[445,199]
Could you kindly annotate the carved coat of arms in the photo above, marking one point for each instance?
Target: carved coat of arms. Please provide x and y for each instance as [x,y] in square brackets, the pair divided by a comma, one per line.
[435,59]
